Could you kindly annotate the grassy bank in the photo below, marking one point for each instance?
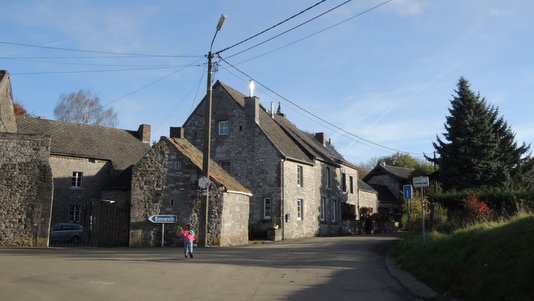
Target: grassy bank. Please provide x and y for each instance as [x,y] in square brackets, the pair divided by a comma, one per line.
[490,261]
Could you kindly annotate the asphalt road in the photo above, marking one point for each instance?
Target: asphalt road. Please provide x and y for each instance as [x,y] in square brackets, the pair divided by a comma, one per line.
[334,268]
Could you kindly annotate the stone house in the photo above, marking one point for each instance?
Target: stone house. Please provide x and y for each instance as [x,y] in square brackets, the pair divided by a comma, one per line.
[165,181]
[301,185]
[25,179]
[90,168]
[388,182]
[368,198]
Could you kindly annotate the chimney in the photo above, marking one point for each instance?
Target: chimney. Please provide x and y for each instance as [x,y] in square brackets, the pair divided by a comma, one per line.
[177,132]
[8,122]
[252,109]
[143,133]
[321,137]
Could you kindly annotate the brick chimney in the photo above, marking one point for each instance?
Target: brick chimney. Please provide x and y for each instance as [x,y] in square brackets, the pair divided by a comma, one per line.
[177,132]
[143,133]
[321,137]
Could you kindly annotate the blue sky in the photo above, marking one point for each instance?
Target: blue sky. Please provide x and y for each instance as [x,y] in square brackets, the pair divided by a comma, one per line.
[386,76]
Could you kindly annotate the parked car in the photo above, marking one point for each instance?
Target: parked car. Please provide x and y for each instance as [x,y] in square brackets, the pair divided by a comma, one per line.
[66,232]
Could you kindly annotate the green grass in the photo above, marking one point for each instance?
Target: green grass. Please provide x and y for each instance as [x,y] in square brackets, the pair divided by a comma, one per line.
[490,261]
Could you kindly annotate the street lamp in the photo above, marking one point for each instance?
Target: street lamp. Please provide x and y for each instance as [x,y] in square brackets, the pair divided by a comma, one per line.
[207,127]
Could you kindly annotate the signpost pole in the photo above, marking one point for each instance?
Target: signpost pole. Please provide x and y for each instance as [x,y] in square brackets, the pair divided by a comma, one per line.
[423,214]
[162,235]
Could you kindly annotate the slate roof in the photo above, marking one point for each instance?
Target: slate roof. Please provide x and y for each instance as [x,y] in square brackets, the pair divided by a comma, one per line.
[217,173]
[122,147]
[290,141]
[402,174]
[364,186]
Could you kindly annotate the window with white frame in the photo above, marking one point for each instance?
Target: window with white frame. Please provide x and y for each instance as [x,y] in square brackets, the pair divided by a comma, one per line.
[300,176]
[77,179]
[74,213]
[267,208]
[333,210]
[224,127]
[327,177]
[300,209]
[322,209]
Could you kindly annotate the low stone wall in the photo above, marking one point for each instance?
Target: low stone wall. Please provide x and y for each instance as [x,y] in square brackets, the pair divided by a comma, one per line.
[25,190]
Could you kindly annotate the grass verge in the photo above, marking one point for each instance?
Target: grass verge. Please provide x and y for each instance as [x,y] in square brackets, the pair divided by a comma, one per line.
[490,261]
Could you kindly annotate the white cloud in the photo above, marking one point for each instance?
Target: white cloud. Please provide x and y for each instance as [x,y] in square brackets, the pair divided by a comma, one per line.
[409,7]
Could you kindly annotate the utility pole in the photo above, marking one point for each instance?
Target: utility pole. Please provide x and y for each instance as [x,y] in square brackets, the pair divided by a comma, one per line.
[207,131]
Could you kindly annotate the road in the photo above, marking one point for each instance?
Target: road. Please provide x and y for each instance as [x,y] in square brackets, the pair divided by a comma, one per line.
[333,268]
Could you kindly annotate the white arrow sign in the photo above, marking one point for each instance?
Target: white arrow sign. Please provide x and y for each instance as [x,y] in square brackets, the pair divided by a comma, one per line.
[163,219]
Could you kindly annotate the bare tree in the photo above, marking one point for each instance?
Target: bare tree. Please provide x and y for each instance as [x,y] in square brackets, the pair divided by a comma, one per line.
[84,107]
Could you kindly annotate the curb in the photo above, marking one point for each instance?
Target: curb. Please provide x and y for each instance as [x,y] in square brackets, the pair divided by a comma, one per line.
[409,282]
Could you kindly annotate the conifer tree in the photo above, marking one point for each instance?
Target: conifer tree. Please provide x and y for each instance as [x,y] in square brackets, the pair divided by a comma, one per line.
[479,148]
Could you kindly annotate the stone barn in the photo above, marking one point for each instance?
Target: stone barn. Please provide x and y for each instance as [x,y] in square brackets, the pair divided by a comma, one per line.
[165,182]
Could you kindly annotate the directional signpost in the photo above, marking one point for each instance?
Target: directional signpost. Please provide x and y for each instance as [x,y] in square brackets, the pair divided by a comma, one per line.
[163,219]
[421,182]
[408,193]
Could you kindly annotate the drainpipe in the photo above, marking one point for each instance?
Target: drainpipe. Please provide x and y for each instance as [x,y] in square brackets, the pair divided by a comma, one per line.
[282,213]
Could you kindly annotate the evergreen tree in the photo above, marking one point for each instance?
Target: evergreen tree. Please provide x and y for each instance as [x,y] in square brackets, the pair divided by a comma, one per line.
[480,148]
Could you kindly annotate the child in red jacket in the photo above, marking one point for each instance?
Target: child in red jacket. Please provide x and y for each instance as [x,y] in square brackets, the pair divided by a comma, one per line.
[189,237]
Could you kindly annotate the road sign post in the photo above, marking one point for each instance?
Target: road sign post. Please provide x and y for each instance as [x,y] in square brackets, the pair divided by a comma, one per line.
[408,192]
[163,219]
[421,182]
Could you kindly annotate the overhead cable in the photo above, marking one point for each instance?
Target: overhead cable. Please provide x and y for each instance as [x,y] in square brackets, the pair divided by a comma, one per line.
[291,29]
[265,30]
[312,114]
[95,51]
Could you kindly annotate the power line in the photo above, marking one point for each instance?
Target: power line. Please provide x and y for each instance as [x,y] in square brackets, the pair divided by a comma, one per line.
[99,70]
[317,32]
[94,51]
[291,29]
[265,30]
[314,115]
[198,84]
[146,86]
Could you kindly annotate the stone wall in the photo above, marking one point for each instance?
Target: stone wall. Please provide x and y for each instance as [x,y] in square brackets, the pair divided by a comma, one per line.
[25,190]
[96,173]
[368,200]
[234,219]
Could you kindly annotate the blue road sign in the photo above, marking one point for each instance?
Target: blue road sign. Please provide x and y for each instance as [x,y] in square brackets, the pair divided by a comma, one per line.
[163,219]
[408,192]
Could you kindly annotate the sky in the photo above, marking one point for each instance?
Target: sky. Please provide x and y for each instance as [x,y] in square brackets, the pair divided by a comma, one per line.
[376,76]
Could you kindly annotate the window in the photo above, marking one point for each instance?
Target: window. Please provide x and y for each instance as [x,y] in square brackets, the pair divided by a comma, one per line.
[327,177]
[300,209]
[344,182]
[225,165]
[224,127]
[74,213]
[300,176]
[267,208]
[351,180]
[77,179]
[333,210]
[178,165]
[322,209]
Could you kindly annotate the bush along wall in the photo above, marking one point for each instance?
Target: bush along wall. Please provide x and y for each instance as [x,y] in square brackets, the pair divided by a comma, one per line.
[501,201]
